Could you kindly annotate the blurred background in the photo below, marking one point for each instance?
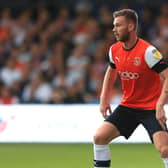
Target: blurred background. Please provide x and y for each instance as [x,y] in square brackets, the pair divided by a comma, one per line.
[56,52]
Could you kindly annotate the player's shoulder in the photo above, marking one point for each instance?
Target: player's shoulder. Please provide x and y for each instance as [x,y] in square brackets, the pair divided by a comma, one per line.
[116,46]
[152,55]
[151,50]
[145,47]
[143,43]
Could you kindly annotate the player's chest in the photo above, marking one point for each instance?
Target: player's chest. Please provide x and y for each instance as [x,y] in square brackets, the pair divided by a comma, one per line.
[128,61]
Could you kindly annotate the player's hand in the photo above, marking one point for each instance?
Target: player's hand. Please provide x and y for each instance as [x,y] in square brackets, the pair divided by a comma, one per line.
[105,109]
[161,116]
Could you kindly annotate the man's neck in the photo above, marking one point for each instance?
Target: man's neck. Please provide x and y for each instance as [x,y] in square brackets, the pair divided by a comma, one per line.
[130,43]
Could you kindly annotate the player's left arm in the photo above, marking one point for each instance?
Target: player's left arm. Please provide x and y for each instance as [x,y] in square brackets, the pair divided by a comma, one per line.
[160,112]
[156,62]
[164,94]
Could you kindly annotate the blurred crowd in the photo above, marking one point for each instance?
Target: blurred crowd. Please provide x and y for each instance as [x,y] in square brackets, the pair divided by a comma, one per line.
[54,57]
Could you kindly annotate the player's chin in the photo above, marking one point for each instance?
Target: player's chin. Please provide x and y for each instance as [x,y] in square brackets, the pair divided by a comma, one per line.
[117,38]
[120,39]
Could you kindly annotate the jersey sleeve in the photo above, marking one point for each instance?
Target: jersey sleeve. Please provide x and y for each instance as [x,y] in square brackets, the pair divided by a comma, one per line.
[154,59]
[111,61]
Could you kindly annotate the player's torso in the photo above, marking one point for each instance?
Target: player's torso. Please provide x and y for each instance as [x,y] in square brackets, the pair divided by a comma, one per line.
[137,78]
[129,64]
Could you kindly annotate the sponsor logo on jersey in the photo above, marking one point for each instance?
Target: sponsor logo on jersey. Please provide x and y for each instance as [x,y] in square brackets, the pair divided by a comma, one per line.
[128,75]
[156,54]
[137,61]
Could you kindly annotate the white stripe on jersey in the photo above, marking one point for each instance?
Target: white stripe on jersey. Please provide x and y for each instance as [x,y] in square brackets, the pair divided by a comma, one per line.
[151,58]
[110,55]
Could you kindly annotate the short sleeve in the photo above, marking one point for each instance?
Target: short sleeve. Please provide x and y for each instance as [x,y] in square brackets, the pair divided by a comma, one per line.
[111,61]
[152,56]
[155,60]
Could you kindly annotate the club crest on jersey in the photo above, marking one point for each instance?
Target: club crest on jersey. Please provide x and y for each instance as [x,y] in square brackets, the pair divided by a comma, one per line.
[137,61]
[156,54]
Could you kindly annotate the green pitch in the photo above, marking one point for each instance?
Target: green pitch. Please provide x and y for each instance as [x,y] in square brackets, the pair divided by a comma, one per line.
[76,156]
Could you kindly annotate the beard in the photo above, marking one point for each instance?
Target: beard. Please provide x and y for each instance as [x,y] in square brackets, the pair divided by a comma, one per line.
[123,37]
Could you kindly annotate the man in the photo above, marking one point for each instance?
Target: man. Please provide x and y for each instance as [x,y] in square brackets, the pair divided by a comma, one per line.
[140,67]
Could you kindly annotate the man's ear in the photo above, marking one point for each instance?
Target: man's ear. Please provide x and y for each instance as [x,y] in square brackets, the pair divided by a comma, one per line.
[131,27]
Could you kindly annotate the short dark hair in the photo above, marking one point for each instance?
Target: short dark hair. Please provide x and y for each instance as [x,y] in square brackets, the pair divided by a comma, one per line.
[128,13]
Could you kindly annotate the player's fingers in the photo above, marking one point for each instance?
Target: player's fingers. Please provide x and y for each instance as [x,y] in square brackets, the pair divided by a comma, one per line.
[162,123]
[164,119]
[103,112]
[109,109]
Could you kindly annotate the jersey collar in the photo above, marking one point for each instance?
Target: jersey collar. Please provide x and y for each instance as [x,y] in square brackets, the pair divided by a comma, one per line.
[128,49]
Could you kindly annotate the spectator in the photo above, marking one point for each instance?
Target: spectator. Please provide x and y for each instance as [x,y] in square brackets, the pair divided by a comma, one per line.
[10,73]
[6,96]
[58,96]
[37,91]
[77,65]
[74,93]
[97,70]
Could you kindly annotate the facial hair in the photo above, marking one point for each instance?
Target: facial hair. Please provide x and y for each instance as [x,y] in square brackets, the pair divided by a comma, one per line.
[124,37]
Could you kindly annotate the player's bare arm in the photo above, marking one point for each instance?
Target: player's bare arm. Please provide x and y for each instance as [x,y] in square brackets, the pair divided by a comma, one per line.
[109,80]
[160,112]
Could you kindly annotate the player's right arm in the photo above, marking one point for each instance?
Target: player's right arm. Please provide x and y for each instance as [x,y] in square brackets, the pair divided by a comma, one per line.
[106,92]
